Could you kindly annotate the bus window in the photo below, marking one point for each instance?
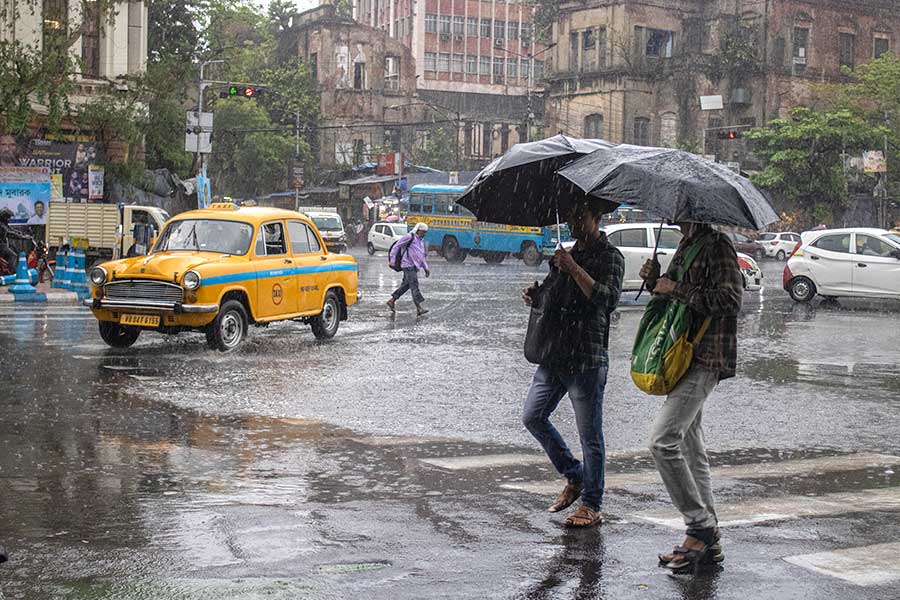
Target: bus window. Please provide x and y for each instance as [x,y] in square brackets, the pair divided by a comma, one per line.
[414,204]
[428,203]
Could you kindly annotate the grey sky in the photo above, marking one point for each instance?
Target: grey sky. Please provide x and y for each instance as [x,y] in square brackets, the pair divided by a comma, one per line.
[301,4]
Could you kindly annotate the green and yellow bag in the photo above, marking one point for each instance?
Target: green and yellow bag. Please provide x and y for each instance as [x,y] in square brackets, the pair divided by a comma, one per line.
[663,350]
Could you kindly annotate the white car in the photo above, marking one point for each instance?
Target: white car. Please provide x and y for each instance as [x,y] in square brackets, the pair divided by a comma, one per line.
[845,262]
[637,240]
[779,245]
[383,235]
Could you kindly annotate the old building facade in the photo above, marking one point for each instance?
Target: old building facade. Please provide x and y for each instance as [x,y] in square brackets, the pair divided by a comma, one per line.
[366,82]
[476,60]
[633,71]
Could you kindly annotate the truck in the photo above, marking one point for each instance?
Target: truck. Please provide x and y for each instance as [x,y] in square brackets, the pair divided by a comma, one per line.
[328,222]
[111,231]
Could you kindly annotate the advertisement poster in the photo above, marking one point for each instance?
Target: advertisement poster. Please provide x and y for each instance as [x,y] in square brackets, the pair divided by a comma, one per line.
[95,182]
[26,192]
[873,162]
[71,160]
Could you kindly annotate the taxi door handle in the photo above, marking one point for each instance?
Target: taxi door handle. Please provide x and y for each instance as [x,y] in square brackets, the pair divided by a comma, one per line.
[288,261]
[323,257]
[861,265]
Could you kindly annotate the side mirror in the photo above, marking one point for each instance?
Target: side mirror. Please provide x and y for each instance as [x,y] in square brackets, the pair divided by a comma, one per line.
[896,254]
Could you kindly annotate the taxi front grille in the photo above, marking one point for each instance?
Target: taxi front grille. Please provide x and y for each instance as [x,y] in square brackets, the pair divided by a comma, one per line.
[144,289]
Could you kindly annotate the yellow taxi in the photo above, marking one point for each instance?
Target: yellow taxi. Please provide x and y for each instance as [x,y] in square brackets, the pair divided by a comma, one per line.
[219,270]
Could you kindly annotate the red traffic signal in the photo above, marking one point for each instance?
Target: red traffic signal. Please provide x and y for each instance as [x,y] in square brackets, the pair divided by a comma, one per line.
[249,91]
[245,91]
[729,134]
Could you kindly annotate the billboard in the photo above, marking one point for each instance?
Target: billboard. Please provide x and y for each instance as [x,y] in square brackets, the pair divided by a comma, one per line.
[71,160]
[26,192]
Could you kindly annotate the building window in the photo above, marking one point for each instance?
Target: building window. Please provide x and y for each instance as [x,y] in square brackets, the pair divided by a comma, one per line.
[526,32]
[537,70]
[445,24]
[392,73]
[499,29]
[593,126]
[459,25]
[467,139]
[657,43]
[56,18]
[90,40]
[392,139]
[512,68]
[589,50]
[668,130]
[801,38]
[472,27]
[431,61]
[512,30]
[487,139]
[457,63]
[485,65]
[498,69]
[430,23]
[359,152]
[848,50]
[313,64]
[641,131]
[573,51]
[504,137]
[485,28]
[359,76]
[444,62]
[882,46]
[601,42]
[472,64]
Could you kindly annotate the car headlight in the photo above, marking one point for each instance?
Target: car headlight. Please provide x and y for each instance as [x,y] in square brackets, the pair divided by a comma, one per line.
[98,276]
[191,280]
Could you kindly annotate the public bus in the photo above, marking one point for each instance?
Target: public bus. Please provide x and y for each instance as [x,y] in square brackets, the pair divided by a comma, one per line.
[456,234]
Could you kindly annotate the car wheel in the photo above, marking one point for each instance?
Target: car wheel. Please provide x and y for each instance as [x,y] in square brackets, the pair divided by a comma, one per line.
[802,289]
[451,250]
[781,255]
[118,336]
[759,254]
[229,328]
[531,256]
[325,324]
[371,248]
[494,258]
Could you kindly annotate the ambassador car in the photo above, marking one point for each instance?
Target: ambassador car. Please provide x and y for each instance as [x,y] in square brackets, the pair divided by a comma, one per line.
[219,270]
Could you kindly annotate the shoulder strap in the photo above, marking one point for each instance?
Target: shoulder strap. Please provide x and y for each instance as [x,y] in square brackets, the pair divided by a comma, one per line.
[690,256]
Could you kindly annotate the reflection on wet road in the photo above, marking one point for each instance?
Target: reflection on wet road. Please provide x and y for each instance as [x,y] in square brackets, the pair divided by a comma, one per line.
[301,469]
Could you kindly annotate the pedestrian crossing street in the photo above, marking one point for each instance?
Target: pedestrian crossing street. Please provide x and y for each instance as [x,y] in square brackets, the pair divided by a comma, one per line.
[876,564]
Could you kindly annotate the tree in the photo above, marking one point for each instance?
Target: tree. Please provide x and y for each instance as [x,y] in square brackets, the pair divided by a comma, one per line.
[438,151]
[804,158]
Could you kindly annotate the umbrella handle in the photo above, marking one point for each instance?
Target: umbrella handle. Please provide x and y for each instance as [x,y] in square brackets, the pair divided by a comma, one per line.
[654,259]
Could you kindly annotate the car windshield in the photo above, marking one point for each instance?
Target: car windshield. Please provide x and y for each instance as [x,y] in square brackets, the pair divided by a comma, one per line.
[894,237]
[399,229]
[328,223]
[207,235]
[767,237]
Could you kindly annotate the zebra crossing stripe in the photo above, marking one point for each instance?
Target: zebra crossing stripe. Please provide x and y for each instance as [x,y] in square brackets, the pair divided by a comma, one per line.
[463,463]
[878,564]
[780,508]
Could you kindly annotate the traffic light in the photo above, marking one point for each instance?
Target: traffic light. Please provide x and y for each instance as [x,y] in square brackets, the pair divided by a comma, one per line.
[242,91]
[729,134]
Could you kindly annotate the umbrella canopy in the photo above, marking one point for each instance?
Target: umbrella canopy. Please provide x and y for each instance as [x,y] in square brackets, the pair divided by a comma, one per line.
[672,184]
[522,188]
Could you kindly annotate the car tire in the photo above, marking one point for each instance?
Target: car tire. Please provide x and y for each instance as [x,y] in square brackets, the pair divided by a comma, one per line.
[451,250]
[531,256]
[494,258]
[118,336]
[802,289]
[781,255]
[371,248]
[325,324]
[229,328]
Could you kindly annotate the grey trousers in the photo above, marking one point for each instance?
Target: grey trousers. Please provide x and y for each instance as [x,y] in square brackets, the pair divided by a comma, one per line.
[677,447]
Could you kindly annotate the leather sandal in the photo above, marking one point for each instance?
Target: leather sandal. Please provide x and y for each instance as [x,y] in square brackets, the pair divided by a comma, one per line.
[567,497]
[584,517]
[715,554]
[688,560]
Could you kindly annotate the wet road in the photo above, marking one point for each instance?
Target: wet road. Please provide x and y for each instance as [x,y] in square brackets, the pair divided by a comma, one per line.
[391,463]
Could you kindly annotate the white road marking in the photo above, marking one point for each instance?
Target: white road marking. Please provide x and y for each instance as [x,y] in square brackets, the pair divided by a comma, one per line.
[780,508]
[390,440]
[878,564]
[462,463]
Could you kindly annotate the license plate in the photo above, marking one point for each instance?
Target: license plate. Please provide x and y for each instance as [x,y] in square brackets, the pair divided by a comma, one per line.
[140,320]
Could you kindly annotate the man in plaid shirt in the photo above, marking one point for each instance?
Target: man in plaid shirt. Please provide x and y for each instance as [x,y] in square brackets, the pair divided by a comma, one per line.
[712,288]
[585,286]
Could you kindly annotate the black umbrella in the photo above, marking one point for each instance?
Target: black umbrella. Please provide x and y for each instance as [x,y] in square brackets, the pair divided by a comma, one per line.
[673,185]
[522,188]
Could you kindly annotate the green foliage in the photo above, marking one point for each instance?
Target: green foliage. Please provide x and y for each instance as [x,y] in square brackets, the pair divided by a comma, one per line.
[804,156]
[736,59]
[28,75]
[172,34]
[545,15]
[440,150]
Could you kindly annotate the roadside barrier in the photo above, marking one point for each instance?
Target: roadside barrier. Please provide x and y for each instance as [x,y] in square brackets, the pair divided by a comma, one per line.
[60,277]
[78,277]
[66,280]
[22,287]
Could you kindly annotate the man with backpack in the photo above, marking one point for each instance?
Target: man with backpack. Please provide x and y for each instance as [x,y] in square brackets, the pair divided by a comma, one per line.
[711,287]
[408,254]
[577,297]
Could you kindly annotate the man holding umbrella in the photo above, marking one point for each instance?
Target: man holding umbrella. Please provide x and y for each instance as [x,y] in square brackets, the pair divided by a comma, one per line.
[583,287]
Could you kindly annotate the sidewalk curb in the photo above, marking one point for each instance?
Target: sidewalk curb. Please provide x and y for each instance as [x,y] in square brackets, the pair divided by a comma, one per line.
[49,297]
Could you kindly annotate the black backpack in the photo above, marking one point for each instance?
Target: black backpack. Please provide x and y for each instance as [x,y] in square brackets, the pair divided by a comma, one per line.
[399,260]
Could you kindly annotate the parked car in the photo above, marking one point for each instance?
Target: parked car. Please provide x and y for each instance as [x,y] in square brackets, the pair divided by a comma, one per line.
[220,269]
[744,244]
[383,235]
[779,245]
[845,262]
[637,240]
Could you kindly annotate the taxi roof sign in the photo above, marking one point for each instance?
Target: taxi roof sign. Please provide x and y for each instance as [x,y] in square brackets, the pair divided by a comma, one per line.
[223,206]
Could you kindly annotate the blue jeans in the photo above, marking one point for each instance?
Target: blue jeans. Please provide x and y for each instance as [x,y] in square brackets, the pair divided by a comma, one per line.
[410,283]
[586,393]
